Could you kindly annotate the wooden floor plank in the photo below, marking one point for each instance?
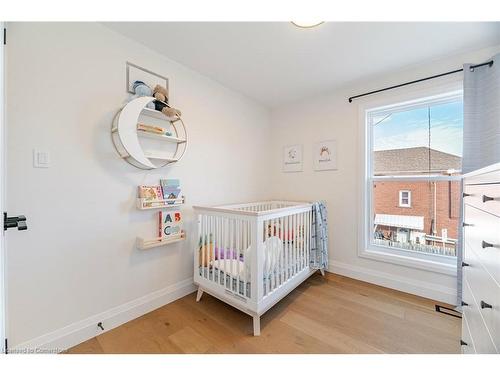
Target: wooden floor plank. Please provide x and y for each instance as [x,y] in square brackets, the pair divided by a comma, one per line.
[332,314]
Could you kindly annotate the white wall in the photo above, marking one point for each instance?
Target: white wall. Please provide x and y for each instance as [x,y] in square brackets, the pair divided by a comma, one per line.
[330,116]
[78,259]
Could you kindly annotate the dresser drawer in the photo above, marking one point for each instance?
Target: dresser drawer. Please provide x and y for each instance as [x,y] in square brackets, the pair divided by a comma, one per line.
[483,227]
[485,197]
[467,346]
[483,289]
[480,335]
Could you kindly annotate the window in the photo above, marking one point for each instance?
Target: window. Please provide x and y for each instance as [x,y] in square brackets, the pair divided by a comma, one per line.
[413,165]
[404,198]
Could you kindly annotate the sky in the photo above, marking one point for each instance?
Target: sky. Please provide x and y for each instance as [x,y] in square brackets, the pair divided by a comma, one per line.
[411,129]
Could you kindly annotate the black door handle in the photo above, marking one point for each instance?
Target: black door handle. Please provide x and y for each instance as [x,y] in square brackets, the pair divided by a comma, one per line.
[465,264]
[485,305]
[462,342]
[18,222]
[485,244]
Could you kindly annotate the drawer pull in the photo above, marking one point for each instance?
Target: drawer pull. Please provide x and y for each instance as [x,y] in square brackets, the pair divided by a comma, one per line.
[465,264]
[485,244]
[464,303]
[467,225]
[466,195]
[463,343]
[486,198]
[485,305]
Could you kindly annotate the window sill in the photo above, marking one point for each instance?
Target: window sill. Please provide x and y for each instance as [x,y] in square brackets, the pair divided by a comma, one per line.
[447,267]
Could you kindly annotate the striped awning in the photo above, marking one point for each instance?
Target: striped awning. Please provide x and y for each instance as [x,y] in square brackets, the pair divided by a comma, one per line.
[400,221]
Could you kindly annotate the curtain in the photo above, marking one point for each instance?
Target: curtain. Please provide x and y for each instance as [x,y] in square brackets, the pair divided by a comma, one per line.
[481,129]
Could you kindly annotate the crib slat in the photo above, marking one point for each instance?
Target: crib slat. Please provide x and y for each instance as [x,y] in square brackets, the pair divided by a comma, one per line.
[287,246]
[302,241]
[296,242]
[238,251]
[269,261]
[305,238]
[309,229]
[282,255]
[273,258]
[211,257]
[205,248]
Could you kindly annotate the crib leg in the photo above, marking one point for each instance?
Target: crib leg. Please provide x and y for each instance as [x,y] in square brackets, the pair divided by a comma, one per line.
[199,294]
[256,325]
[322,272]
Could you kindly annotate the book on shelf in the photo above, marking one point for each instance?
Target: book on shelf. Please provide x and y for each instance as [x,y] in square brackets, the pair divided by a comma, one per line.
[153,129]
[150,194]
[170,189]
[169,224]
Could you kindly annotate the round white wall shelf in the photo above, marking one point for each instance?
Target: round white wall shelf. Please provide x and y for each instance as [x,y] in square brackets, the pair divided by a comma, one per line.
[143,149]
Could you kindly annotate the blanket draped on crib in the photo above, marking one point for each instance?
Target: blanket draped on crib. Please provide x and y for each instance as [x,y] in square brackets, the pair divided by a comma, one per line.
[319,243]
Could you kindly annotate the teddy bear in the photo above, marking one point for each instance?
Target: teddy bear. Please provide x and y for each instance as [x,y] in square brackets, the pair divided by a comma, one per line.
[171,112]
[160,93]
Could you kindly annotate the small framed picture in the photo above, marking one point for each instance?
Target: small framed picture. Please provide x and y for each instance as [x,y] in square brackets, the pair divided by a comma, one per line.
[325,155]
[292,158]
[138,73]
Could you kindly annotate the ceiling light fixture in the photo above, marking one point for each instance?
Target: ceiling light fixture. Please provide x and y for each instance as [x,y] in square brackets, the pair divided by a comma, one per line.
[307,24]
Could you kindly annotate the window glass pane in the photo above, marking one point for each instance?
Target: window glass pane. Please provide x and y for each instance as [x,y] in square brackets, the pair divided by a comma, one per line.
[446,136]
[425,140]
[430,225]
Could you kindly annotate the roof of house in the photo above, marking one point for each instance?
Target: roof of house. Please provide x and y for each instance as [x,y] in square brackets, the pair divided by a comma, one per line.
[414,161]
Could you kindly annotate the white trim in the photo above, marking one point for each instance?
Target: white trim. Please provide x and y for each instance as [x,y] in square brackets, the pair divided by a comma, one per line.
[3,282]
[78,332]
[488,169]
[365,249]
[401,204]
[418,287]
[427,262]
[417,178]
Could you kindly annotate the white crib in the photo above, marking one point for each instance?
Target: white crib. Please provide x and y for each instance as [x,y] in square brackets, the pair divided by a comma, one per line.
[252,255]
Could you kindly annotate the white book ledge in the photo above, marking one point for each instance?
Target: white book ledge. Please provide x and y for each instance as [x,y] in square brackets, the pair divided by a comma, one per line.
[143,244]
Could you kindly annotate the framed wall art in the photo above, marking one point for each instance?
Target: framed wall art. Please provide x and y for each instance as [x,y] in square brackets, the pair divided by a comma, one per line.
[292,158]
[325,155]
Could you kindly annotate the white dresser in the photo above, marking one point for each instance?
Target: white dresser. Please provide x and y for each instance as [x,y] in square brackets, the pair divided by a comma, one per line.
[481,263]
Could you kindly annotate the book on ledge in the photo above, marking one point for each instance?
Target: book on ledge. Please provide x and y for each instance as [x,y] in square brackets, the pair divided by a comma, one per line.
[149,194]
[170,189]
[169,224]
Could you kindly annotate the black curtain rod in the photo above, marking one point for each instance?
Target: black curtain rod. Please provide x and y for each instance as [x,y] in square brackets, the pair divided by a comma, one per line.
[472,67]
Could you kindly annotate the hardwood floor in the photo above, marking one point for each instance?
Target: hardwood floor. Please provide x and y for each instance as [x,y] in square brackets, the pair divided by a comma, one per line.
[334,314]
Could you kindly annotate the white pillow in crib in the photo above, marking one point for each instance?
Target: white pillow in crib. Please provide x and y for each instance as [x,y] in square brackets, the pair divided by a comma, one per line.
[232,267]
[273,248]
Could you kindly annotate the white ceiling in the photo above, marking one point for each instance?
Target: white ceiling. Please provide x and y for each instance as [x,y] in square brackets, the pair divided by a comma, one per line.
[276,62]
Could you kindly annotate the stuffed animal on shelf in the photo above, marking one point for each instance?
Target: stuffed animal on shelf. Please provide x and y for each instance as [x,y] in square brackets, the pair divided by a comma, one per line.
[140,90]
[171,112]
[160,93]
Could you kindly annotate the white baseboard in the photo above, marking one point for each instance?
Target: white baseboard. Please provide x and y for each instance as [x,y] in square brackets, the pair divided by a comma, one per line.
[76,333]
[418,287]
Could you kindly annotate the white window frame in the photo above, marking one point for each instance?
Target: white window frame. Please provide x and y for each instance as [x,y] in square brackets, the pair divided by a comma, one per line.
[448,92]
[405,205]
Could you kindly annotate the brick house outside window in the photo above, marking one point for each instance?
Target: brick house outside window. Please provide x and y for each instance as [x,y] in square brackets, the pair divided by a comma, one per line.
[416,212]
